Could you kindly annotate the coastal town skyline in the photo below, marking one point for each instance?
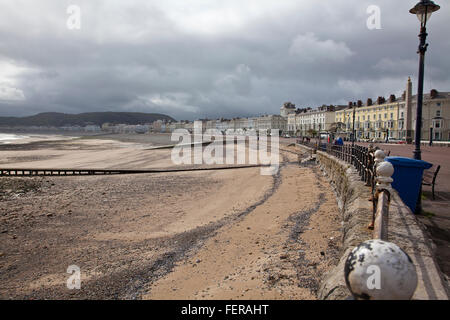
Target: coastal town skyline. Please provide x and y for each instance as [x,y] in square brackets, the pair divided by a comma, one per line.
[381,119]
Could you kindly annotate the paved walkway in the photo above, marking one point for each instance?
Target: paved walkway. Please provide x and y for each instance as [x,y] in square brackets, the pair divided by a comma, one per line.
[434,155]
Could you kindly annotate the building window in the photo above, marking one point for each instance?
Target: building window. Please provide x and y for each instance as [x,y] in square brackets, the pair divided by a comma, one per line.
[438,113]
[402,115]
[392,115]
[437,136]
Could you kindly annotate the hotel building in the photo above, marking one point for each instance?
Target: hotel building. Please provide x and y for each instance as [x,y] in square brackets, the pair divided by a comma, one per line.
[395,117]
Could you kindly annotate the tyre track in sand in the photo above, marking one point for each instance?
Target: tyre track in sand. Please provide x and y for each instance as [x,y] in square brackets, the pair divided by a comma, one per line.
[189,242]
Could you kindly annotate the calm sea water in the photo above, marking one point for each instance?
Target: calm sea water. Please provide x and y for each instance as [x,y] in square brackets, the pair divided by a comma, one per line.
[9,137]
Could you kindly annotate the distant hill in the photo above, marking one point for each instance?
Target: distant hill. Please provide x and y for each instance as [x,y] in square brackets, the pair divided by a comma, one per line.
[56,119]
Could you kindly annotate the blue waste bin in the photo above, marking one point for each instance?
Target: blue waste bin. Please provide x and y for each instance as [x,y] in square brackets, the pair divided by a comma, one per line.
[408,178]
[323,146]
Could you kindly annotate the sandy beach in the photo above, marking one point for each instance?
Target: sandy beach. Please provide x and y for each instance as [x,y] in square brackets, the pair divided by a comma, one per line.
[224,234]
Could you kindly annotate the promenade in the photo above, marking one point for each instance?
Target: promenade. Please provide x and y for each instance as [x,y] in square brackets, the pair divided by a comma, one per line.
[436,215]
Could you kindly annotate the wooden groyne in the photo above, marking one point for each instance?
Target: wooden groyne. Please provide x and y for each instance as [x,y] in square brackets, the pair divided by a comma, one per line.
[27,172]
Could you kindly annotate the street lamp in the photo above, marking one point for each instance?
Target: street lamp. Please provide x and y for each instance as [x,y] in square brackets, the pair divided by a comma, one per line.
[431,135]
[423,10]
[353,124]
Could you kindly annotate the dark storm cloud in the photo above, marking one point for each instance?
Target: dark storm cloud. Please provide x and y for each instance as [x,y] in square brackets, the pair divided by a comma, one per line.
[193,59]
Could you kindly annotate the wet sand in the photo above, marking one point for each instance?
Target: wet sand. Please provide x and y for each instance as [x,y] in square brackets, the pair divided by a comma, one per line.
[191,235]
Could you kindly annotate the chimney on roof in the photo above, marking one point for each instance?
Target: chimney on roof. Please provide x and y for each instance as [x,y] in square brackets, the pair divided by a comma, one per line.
[350,104]
[381,100]
[360,103]
[433,93]
[369,102]
[392,98]
[404,95]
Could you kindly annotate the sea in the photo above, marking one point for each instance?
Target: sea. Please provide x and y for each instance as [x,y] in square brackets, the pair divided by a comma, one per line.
[10,137]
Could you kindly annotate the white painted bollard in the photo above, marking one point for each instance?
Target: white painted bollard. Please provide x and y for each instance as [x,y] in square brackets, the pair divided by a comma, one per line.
[380,270]
[379,157]
[385,170]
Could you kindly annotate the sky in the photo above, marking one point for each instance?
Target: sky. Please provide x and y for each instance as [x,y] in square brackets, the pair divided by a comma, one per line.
[194,59]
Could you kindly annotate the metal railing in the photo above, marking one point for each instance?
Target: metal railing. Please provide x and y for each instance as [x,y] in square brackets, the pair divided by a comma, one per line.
[377,174]
[362,158]
[365,160]
[381,217]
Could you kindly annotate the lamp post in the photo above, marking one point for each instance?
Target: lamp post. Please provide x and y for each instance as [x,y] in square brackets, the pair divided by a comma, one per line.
[423,10]
[353,125]
[353,133]
[431,135]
